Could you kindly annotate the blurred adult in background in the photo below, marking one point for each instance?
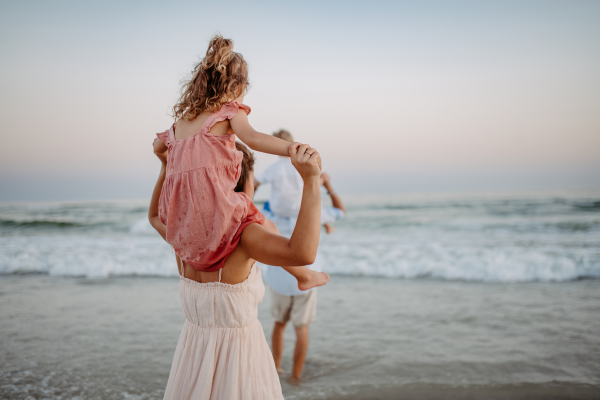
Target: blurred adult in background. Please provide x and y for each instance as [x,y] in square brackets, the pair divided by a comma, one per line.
[288,302]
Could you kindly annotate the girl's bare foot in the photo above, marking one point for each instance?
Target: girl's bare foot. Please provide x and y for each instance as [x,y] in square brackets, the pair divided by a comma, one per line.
[312,279]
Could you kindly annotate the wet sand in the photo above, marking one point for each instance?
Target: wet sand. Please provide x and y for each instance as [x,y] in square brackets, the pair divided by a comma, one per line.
[374,338]
[554,391]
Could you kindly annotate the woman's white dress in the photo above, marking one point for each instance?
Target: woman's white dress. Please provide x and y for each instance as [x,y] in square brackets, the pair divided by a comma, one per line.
[222,353]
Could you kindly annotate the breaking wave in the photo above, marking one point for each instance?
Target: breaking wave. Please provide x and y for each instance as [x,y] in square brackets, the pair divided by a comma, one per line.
[550,238]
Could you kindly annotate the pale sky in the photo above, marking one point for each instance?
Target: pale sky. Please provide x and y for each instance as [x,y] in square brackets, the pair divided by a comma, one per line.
[397,96]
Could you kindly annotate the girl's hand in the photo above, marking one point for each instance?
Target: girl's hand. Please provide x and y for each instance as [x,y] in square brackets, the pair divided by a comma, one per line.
[162,156]
[296,144]
[306,160]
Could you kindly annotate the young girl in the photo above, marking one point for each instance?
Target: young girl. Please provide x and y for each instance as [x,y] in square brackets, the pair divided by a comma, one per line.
[203,215]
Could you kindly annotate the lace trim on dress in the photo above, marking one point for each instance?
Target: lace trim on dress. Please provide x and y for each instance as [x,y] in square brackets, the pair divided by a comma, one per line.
[221,285]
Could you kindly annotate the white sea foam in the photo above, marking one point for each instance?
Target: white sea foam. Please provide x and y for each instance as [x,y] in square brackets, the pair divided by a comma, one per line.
[142,227]
[88,256]
[492,239]
[453,261]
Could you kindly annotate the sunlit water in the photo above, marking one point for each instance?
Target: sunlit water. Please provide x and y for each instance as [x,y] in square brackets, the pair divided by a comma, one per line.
[430,294]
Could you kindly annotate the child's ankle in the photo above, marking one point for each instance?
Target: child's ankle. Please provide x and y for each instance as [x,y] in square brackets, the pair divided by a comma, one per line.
[305,274]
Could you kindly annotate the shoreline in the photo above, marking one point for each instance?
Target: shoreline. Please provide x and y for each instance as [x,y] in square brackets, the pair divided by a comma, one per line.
[529,391]
[100,279]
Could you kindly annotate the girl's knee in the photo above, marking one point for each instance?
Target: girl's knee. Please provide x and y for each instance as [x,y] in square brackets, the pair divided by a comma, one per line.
[270,226]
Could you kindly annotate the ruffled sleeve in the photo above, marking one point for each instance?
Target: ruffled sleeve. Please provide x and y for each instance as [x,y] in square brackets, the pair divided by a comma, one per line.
[232,108]
[165,137]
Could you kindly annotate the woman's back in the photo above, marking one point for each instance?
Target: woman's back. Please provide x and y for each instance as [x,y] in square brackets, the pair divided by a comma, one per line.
[222,305]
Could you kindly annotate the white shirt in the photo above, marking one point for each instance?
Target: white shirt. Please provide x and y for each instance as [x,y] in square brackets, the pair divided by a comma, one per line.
[286,187]
[278,278]
[284,203]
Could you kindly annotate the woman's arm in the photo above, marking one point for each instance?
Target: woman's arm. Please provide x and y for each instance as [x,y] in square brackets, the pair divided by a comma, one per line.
[159,147]
[301,248]
[153,210]
[256,140]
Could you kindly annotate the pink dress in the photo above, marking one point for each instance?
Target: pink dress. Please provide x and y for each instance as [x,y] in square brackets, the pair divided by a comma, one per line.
[222,353]
[203,215]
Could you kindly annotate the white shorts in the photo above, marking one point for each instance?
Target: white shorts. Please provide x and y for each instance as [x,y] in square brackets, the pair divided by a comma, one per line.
[301,309]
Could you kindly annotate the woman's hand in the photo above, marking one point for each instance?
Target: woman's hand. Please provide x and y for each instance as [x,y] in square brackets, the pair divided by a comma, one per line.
[158,145]
[153,216]
[306,160]
[301,248]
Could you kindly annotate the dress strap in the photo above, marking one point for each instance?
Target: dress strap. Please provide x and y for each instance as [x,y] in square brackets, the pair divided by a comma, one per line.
[210,121]
[221,270]
[227,111]
[172,133]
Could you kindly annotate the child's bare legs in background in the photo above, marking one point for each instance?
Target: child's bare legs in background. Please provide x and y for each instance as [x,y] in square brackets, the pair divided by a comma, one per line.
[277,344]
[329,228]
[299,351]
[307,278]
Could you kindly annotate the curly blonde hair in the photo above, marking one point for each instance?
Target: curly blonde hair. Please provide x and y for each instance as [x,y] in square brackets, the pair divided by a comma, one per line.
[220,77]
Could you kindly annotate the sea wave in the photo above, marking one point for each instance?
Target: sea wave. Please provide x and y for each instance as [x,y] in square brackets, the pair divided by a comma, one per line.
[488,239]
[588,206]
[463,264]
[143,253]
[39,223]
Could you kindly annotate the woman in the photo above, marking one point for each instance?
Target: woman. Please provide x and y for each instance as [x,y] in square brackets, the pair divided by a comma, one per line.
[222,352]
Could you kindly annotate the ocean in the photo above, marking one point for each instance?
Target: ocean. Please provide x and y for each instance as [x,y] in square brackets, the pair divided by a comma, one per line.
[454,296]
[547,237]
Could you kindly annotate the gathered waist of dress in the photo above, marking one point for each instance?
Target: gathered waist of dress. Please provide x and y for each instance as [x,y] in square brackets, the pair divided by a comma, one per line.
[195,285]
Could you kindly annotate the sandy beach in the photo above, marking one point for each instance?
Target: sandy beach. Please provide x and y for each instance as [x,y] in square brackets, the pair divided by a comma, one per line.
[114,338]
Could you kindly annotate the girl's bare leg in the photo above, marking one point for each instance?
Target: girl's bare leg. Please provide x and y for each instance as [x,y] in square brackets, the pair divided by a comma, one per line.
[307,278]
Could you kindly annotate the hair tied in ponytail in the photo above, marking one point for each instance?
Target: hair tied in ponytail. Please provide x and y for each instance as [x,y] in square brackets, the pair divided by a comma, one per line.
[221,76]
[224,62]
